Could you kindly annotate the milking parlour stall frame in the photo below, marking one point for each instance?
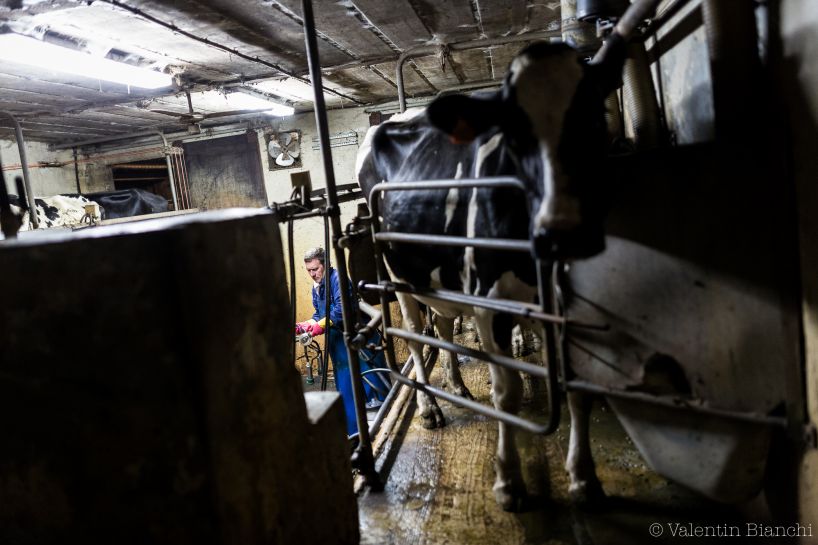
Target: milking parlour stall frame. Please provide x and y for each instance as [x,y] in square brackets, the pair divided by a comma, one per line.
[551,312]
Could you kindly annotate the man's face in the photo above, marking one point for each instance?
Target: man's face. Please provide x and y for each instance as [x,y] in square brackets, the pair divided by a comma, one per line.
[315,269]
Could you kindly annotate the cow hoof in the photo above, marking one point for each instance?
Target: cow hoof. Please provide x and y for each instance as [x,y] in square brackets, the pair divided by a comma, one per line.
[512,499]
[433,418]
[462,391]
[586,493]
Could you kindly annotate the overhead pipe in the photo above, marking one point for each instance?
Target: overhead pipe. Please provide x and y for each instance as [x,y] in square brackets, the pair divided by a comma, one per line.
[21,146]
[166,149]
[431,49]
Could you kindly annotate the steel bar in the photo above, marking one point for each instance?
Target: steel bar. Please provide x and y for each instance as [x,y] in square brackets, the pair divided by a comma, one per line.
[675,403]
[387,402]
[508,306]
[291,263]
[487,182]
[424,50]
[545,290]
[168,161]
[21,147]
[363,334]
[497,359]
[491,412]
[507,244]
[362,458]
[327,300]
[625,27]
[77,172]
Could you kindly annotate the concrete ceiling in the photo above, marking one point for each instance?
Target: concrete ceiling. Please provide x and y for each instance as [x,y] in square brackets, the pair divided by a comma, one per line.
[256,45]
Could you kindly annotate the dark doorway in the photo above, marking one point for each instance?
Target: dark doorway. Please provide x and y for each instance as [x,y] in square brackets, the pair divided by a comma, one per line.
[225,172]
[149,174]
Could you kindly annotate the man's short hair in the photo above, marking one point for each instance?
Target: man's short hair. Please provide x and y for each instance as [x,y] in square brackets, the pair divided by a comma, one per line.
[315,253]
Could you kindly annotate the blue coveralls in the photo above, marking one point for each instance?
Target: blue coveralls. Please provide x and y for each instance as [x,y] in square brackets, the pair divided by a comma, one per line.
[338,354]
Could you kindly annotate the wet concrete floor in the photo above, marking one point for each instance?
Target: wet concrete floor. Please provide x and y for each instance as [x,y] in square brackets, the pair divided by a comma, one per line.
[438,488]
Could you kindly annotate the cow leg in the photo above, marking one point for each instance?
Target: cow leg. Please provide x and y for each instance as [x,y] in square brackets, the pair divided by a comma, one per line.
[585,487]
[453,379]
[507,390]
[432,416]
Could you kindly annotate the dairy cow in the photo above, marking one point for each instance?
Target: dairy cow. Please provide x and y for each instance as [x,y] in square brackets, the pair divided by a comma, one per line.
[70,210]
[544,126]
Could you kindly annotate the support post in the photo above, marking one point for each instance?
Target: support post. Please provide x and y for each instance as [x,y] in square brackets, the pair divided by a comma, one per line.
[362,457]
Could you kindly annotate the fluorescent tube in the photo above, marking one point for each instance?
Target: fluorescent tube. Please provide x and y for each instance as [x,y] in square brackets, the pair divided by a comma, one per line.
[24,50]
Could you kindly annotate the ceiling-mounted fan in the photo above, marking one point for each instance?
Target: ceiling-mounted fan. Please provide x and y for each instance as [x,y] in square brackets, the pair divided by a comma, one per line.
[284,149]
[192,118]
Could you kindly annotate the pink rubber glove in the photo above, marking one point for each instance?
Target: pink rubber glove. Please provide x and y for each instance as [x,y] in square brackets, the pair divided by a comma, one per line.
[303,327]
[316,330]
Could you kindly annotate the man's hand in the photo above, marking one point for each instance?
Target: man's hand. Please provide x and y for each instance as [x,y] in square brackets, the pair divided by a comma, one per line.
[304,327]
[316,330]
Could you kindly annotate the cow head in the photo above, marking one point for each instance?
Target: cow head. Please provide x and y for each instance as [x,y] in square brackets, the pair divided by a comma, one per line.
[551,113]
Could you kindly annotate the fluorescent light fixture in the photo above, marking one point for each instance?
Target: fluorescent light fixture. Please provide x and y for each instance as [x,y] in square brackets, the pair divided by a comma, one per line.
[245,101]
[24,50]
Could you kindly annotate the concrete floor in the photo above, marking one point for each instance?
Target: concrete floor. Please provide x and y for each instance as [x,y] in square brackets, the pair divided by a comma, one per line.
[438,487]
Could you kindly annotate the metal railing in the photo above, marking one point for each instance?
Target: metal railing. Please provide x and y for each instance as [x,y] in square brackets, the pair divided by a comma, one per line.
[544,313]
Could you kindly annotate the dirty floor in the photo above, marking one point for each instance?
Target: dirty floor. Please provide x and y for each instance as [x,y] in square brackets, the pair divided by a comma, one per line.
[438,487]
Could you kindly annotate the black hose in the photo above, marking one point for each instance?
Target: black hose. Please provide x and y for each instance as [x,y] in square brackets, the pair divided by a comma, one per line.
[735,66]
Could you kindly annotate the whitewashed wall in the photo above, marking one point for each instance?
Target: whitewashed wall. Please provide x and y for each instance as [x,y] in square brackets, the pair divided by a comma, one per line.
[45,180]
[310,232]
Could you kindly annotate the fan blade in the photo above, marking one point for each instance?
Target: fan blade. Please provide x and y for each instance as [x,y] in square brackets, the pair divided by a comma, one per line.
[294,148]
[284,160]
[284,139]
[294,153]
[273,148]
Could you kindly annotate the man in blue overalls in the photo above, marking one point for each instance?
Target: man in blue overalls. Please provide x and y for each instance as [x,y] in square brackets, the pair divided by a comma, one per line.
[314,261]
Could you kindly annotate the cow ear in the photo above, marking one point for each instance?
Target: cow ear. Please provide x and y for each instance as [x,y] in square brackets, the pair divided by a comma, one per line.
[463,118]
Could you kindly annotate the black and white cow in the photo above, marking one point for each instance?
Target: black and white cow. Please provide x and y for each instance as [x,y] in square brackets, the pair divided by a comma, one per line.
[71,210]
[545,126]
[57,211]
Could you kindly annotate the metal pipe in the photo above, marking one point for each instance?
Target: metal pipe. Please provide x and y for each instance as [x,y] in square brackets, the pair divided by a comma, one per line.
[291,260]
[387,402]
[508,306]
[637,12]
[491,412]
[363,334]
[487,182]
[497,359]
[327,299]
[230,50]
[362,458]
[423,50]
[511,245]
[21,146]
[675,403]
[77,172]
[170,170]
